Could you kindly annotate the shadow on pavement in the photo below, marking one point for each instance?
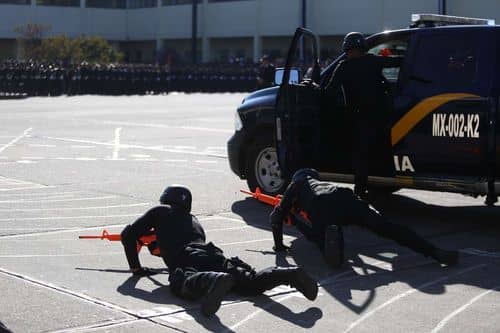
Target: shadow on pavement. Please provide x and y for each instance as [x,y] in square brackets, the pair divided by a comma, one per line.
[162,295]
[452,227]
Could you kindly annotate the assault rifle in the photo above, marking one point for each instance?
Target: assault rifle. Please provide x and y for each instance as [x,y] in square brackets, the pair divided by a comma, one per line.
[148,240]
[274,201]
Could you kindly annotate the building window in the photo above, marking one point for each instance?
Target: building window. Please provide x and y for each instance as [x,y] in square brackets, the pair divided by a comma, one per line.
[106,4]
[177,2]
[142,3]
[60,3]
[15,2]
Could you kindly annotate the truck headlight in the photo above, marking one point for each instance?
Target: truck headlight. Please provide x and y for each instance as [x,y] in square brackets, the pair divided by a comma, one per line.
[238,125]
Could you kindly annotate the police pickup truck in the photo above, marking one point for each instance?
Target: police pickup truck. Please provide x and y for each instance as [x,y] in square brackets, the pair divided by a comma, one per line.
[441,114]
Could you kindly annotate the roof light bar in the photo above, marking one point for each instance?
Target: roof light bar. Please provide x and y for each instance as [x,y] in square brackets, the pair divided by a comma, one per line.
[430,20]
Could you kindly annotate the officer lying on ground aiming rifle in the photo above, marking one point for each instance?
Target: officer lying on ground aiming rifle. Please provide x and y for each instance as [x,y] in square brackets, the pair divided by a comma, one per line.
[326,208]
[198,269]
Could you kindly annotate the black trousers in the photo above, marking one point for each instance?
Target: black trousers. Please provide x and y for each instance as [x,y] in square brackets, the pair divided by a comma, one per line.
[343,208]
[197,258]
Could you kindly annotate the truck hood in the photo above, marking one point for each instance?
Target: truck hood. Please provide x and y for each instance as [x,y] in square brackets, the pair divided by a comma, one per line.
[265,98]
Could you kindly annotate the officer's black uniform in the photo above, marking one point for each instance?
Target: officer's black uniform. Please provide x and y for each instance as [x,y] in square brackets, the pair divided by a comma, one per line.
[266,74]
[362,81]
[197,267]
[326,204]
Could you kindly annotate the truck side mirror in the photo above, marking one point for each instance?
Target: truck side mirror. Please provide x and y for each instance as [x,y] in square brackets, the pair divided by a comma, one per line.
[294,76]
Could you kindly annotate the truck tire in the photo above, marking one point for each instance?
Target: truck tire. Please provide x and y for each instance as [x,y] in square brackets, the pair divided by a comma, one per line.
[262,168]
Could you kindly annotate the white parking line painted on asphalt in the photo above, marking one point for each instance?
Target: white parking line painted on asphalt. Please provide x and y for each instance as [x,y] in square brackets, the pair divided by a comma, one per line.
[6,256]
[254,241]
[15,140]
[40,193]
[175,161]
[24,188]
[26,162]
[66,217]
[408,292]
[205,161]
[63,290]
[82,146]
[449,317]
[39,145]
[146,159]
[190,128]
[60,200]
[220,217]
[101,227]
[135,146]
[74,208]
[16,184]
[85,159]
[32,158]
[116,147]
[293,293]
[228,229]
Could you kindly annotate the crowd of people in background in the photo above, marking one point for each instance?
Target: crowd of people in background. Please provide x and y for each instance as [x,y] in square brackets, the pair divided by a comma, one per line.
[32,78]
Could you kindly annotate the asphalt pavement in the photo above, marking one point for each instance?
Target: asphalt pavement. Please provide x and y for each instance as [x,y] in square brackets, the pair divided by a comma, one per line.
[71,166]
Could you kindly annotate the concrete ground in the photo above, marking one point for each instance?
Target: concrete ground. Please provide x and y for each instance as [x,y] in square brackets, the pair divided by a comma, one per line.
[73,166]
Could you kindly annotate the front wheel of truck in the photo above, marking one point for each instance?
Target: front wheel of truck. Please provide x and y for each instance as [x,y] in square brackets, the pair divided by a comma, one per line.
[263,170]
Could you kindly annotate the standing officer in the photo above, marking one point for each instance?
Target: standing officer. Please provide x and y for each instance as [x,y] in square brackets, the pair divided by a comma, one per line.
[328,208]
[265,78]
[199,269]
[361,77]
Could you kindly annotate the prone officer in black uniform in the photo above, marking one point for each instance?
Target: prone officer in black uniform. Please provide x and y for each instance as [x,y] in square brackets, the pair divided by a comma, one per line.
[199,269]
[361,77]
[328,208]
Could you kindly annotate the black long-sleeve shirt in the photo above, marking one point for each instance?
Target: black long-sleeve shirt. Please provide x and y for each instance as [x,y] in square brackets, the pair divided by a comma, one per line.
[309,195]
[361,79]
[174,229]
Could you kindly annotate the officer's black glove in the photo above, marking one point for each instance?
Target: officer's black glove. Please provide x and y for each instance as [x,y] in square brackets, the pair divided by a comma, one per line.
[144,271]
[281,248]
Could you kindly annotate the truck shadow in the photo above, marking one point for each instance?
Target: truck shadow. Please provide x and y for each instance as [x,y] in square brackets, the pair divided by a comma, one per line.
[373,262]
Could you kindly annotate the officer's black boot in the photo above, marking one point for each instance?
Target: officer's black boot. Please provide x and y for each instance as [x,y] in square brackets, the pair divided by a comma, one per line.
[219,288]
[295,277]
[333,248]
[212,286]
[449,258]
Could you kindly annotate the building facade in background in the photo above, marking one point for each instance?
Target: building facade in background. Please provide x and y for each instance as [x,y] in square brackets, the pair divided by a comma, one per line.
[161,30]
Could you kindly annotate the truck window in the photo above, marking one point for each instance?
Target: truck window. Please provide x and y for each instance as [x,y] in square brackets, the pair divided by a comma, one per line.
[443,60]
[388,49]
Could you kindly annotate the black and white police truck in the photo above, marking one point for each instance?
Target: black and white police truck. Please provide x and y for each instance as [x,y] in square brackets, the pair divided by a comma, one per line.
[441,113]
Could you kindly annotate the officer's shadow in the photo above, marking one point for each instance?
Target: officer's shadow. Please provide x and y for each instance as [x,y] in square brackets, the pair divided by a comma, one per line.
[375,270]
[162,295]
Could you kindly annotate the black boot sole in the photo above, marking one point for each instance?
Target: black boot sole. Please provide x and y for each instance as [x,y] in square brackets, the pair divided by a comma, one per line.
[212,300]
[306,285]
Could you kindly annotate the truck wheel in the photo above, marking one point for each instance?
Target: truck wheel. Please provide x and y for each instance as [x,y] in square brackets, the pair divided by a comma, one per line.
[262,169]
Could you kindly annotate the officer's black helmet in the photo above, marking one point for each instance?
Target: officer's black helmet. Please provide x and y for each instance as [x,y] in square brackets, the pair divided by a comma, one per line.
[304,173]
[177,195]
[354,40]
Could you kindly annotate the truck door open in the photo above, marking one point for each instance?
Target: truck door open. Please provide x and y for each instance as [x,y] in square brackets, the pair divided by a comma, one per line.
[298,107]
